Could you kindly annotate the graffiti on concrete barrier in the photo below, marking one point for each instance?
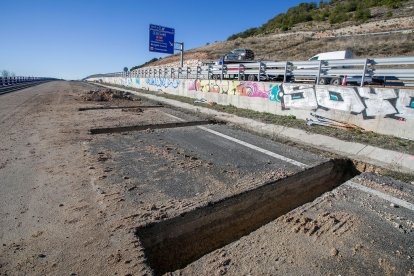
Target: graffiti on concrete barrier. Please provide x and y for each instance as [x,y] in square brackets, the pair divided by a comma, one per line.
[339,98]
[274,94]
[238,88]
[405,103]
[214,86]
[163,83]
[298,96]
[369,102]
[255,89]
[377,104]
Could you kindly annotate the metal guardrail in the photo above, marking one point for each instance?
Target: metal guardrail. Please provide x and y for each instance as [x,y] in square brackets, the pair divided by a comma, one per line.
[392,71]
[5,81]
[12,84]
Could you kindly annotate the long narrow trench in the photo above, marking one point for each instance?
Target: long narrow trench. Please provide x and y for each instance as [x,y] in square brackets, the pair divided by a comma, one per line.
[174,243]
[118,107]
[149,126]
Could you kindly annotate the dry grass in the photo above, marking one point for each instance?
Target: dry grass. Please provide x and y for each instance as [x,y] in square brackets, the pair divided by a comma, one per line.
[301,46]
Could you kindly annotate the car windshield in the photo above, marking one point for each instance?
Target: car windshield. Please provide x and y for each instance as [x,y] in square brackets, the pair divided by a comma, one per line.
[238,51]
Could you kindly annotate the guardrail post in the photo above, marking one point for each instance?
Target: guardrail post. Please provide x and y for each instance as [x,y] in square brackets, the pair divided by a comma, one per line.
[319,72]
[238,74]
[209,71]
[222,73]
[260,71]
[264,69]
[364,72]
[187,72]
[285,74]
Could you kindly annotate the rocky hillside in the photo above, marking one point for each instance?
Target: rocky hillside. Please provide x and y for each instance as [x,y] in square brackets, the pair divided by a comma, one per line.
[388,32]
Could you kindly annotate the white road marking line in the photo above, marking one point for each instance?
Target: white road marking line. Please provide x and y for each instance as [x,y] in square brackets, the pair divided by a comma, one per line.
[264,151]
[389,198]
[272,154]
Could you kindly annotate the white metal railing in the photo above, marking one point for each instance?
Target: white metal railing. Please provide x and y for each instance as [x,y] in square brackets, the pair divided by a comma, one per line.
[5,81]
[391,71]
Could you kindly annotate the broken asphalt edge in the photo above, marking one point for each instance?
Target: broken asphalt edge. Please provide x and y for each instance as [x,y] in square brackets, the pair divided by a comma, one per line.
[387,159]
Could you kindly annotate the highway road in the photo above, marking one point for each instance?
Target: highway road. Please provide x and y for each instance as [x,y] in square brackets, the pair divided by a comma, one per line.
[83,191]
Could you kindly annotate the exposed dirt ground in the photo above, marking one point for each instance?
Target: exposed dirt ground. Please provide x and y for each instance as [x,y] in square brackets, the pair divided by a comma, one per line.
[71,202]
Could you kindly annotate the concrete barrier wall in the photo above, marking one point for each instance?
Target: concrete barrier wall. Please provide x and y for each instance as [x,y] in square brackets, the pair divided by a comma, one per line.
[383,110]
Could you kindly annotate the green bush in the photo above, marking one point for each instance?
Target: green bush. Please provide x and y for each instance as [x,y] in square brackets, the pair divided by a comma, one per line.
[362,14]
[338,17]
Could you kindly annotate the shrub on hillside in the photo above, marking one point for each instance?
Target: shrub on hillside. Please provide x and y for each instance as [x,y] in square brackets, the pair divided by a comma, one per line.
[336,11]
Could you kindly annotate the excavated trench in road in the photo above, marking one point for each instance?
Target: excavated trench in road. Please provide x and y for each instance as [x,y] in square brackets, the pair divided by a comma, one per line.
[149,127]
[176,242]
[119,107]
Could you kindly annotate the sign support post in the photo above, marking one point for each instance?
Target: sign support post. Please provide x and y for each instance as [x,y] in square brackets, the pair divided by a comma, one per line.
[181,49]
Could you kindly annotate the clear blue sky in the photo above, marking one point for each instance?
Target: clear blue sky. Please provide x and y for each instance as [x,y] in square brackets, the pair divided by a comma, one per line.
[74,38]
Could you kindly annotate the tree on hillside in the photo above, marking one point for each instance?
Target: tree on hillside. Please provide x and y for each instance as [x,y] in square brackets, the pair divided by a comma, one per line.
[148,62]
[362,14]
[5,73]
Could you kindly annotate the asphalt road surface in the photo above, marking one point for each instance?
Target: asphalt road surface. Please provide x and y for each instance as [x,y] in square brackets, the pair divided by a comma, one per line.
[70,201]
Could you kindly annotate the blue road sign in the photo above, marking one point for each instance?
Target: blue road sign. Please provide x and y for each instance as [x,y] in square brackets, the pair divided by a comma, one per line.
[161,39]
